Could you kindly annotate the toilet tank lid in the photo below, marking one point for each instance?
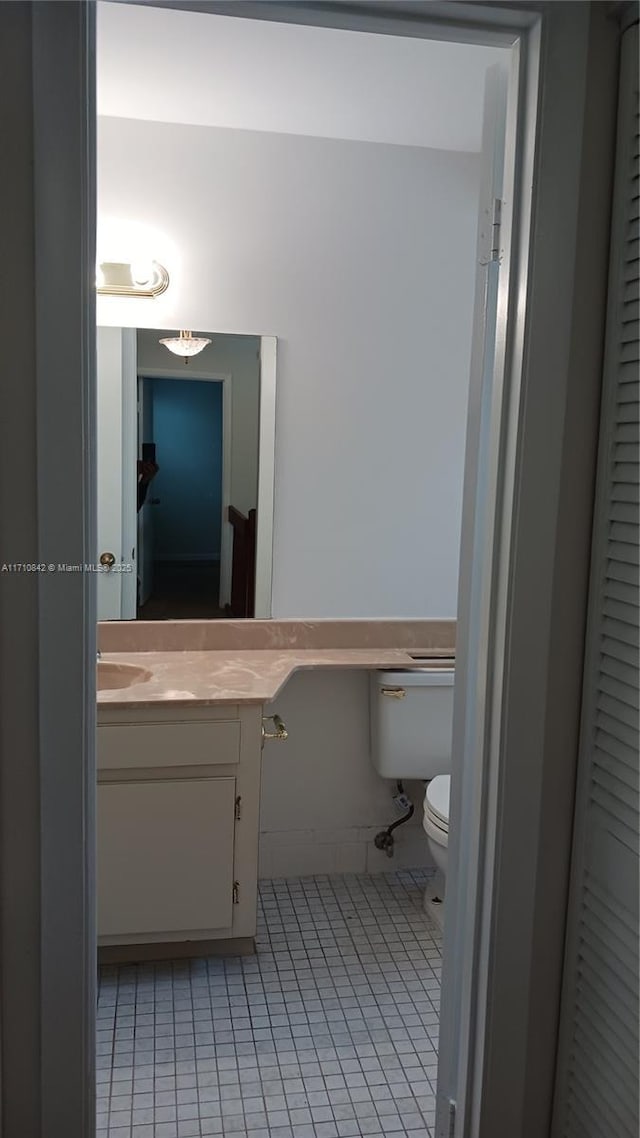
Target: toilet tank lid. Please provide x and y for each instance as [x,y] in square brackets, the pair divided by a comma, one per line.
[422,677]
[438,793]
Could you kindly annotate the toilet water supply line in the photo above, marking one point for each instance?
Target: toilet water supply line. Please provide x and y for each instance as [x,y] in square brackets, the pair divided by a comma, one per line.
[385,840]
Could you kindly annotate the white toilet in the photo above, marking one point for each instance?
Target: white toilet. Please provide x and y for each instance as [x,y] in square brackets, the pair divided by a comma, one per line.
[411,729]
[436,819]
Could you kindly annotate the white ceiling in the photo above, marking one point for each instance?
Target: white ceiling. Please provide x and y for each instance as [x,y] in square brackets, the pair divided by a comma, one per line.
[193,67]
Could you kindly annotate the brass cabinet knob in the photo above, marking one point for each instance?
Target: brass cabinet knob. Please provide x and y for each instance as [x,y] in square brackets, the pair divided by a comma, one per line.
[280,733]
[108,560]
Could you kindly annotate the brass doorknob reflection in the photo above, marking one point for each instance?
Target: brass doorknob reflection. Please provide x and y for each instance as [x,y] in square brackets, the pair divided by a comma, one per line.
[108,560]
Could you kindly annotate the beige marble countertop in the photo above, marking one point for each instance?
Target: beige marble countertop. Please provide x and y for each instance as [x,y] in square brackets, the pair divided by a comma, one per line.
[435,635]
[233,676]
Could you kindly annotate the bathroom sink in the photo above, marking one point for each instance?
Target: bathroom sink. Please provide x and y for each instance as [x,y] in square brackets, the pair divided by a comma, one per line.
[111,676]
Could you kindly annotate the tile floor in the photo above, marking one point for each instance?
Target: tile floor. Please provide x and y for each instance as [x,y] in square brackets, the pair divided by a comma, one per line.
[330,1031]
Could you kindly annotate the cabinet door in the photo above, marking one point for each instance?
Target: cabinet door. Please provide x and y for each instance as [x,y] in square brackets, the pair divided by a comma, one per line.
[165,856]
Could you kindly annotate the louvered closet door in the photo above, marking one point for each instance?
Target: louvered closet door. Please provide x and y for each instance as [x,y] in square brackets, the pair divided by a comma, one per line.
[597,1077]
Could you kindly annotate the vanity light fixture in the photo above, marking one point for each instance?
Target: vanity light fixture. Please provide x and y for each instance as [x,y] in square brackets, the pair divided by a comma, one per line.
[146,279]
[185,345]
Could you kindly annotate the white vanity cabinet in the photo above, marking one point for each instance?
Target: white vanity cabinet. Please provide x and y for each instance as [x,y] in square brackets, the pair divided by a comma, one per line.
[178,825]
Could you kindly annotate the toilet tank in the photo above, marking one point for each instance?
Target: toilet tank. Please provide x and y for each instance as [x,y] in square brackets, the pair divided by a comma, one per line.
[412,721]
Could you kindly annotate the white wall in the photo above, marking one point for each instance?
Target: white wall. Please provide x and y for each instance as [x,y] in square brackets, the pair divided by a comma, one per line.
[237,356]
[322,801]
[268,75]
[359,257]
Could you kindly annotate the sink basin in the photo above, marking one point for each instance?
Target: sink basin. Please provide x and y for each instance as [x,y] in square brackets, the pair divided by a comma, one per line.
[112,676]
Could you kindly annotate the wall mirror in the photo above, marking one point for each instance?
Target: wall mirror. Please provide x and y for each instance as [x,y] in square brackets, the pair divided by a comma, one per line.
[185,476]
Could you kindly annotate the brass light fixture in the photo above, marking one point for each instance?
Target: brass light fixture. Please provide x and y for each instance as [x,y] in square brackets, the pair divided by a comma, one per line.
[119,278]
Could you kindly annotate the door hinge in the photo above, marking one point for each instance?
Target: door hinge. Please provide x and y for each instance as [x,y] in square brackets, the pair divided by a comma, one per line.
[496,226]
[236,893]
[238,807]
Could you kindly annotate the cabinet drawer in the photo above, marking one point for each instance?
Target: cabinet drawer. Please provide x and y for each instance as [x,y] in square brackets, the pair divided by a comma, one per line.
[165,856]
[141,746]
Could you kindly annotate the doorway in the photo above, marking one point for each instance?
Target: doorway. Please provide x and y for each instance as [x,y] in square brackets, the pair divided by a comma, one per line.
[180,431]
[64,831]
[327,400]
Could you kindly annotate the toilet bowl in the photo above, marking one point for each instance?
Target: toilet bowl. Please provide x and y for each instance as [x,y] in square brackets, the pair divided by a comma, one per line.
[436,819]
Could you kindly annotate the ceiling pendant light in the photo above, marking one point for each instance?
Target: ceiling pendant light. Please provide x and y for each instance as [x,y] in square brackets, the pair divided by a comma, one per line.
[185,345]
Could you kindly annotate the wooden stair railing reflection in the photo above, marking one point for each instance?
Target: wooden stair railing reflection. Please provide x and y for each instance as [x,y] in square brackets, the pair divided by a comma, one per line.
[243,565]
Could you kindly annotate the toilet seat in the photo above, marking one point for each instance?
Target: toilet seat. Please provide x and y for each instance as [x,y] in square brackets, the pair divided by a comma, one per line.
[438,835]
[436,810]
[436,820]
[436,800]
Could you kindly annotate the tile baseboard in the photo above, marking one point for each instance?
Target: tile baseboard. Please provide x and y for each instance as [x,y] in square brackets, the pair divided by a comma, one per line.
[303,853]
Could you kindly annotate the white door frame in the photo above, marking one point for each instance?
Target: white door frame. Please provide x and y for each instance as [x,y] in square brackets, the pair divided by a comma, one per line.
[117,452]
[47,870]
[111,456]
[267,443]
[48,618]
[129,586]
[479,632]
[226,536]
